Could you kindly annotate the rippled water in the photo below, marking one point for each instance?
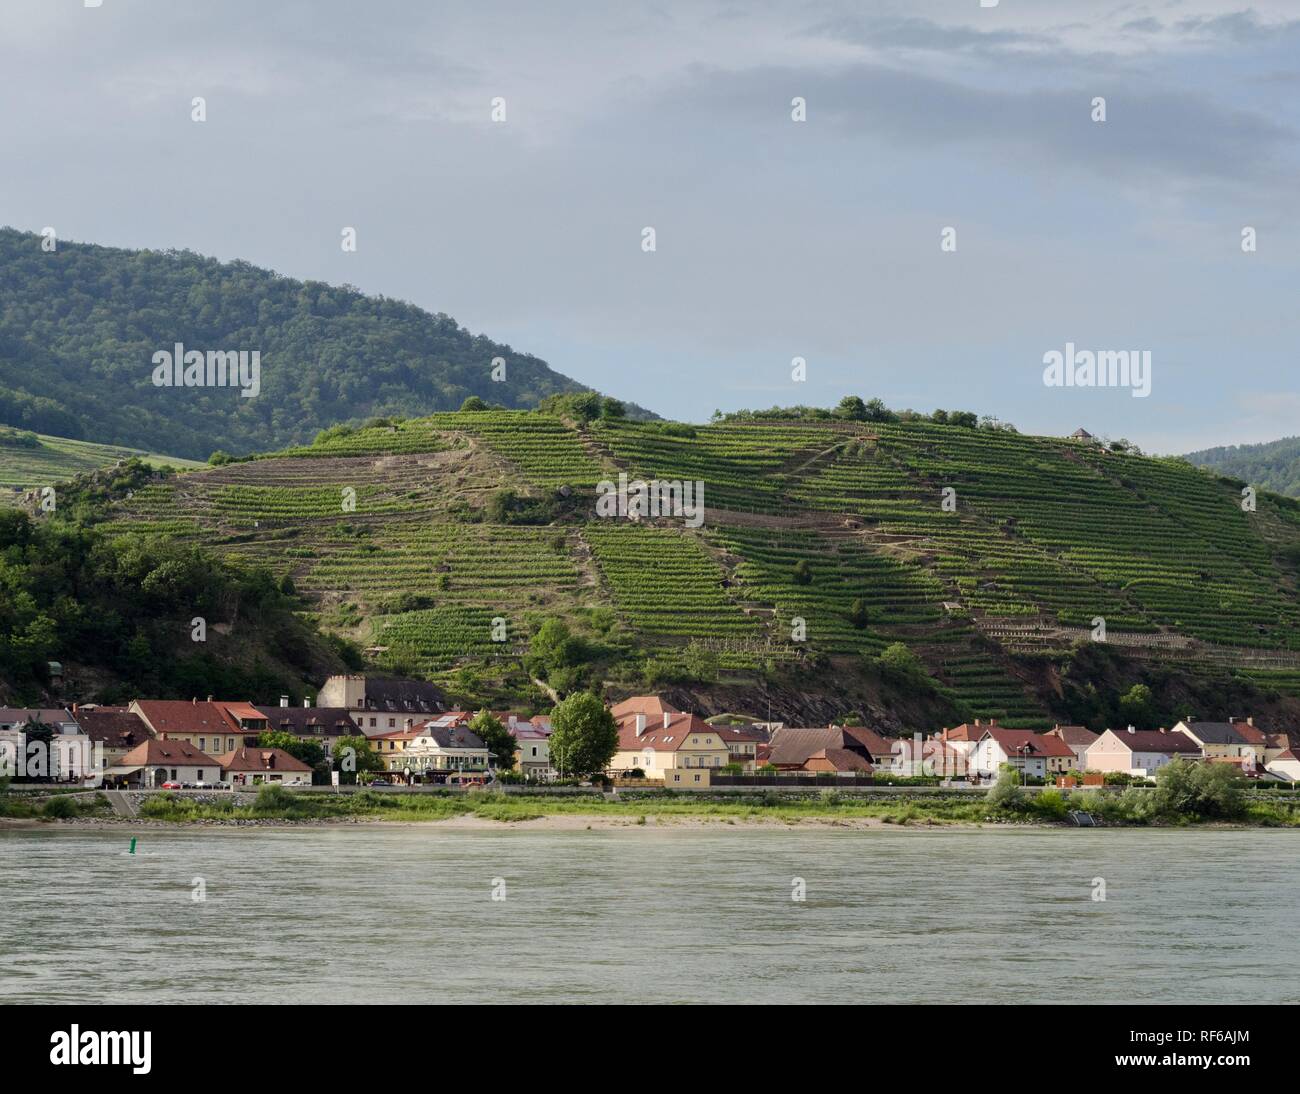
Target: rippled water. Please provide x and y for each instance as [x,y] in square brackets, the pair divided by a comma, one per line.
[644,915]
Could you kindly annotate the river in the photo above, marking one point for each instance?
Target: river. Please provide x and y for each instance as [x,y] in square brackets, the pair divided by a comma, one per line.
[661,915]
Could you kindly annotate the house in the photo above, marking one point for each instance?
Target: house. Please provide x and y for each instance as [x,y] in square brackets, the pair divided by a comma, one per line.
[436,751]
[742,745]
[964,738]
[792,746]
[532,747]
[69,755]
[249,765]
[381,703]
[157,761]
[391,747]
[1226,741]
[324,725]
[677,742]
[1140,752]
[1079,738]
[1081,435]
[1035,755]
[931,756]
[116,730]
[211,727]
[1285,765]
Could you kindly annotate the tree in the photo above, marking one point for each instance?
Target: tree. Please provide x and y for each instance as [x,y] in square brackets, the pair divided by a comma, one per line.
[353,755]
[1185,789]
[309,752]
[557,656]
[802,572]
[473,403]
[1138,707]
[584,737]
[853,408]
[858,614]
[612,408]
[493,733]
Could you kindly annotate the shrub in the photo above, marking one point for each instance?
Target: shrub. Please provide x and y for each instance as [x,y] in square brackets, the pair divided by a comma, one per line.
[61,805]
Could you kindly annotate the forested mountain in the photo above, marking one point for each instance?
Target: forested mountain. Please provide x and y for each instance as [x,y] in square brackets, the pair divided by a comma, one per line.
[1273,466]
[79,327]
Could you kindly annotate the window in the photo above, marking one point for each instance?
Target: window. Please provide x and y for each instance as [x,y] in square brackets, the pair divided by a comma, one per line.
[203,744]
[392,723]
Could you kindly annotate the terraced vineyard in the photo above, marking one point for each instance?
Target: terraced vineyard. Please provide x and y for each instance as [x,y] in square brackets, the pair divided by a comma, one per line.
[54,459]
[967,545]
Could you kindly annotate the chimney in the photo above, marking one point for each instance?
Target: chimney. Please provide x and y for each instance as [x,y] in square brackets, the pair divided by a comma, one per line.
[1231,718]
[306,701]
[1132,729]
[667,719]
[1250,720]
[284,700]
[209,698]
[640,724]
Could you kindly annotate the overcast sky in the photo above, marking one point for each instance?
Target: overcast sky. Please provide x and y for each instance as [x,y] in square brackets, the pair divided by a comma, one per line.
[775,238]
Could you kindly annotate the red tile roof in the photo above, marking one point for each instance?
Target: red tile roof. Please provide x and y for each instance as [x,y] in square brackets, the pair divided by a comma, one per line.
[660,737]
[1013,741]
[652,706]
[157,751]
[178,716]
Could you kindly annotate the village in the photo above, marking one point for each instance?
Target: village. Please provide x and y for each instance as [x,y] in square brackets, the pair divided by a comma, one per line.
[409,739]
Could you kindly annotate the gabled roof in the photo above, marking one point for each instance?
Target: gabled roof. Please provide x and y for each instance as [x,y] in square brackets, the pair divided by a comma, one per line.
[392,694]
[792,745]
[662,738]
[449,736]
[1018,742]
[311,721]
[968,731]
[1075,736]
[652,706]
[252,758]
[20,716]
[1214,733]
[113,727]
[179,716]
[1154,740]
[158,751]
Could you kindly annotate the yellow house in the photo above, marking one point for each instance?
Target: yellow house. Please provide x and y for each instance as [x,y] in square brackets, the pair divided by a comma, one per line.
[674,748]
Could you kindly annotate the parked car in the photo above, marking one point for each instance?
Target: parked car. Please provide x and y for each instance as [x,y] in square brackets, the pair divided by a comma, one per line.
[380,783]
[172,784]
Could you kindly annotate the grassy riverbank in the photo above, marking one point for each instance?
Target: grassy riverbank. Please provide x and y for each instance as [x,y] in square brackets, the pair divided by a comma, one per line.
[1001,806]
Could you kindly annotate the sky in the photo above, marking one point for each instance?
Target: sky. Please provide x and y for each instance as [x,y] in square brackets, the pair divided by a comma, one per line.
[775,239]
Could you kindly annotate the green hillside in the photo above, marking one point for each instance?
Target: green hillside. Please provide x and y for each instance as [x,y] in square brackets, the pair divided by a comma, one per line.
[1273,466]
[413,537]
[29,460]
[79,327]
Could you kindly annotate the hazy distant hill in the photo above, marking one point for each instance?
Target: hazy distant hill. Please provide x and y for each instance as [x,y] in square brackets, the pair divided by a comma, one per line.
[1272,466]
[79,327]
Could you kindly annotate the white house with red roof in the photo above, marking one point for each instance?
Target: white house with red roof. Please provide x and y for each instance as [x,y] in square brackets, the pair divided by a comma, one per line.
[1033,754]
[157,761]
[251,765]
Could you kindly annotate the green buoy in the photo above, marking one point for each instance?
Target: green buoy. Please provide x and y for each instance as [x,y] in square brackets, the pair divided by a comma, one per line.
[132,851]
